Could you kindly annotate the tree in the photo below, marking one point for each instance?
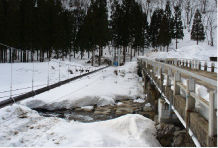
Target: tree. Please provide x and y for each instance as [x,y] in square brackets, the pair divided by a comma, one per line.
[168,15]
[155,26]
[164,37]
[102,30]
[177,28]
[197,32]
[140,28]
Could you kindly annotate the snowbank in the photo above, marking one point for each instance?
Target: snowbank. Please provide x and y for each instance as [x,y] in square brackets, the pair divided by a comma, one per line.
[187,52]
[32,130]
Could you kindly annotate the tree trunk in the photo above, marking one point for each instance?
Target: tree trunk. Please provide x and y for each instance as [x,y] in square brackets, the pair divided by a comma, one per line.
[176,43]
[0,55]
[24,56]
[99,57]
[101,51]
[10,56]
[124,55]
[13,55]
[134,51]
[88,54]
[93,56]
[138,50]
[131,54]
[31,56]
[17,55]
[27,52]
[37,55]
[21,55]
[81,55]
[6,58]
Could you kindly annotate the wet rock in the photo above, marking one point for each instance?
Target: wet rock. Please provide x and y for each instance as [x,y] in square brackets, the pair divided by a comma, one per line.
[123,111]
[171,136]
[83,110]
[147,109]
[166,140]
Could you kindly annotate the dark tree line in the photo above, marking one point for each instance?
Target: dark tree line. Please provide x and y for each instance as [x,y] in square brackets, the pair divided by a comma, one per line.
[45,27]
[42,27]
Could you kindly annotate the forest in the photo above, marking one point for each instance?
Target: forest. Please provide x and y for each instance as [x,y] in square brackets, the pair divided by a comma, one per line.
[60,28]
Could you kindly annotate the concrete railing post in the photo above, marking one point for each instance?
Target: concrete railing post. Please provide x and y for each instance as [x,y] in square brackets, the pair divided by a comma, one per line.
[169,74]
[212,67]
[212,123]
[199,65]
[177,78]
[190,102]
[186,63]
[161,78]
[160,109]
[192,64]
[205,66]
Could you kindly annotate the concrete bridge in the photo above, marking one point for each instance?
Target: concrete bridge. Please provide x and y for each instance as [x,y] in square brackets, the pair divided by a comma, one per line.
[171,88]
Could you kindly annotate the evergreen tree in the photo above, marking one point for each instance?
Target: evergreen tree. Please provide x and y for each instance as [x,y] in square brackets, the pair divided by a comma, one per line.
[169,18]
[164,37]
[177,28]
[197,32]
[155,27]
[102,30]
[168,12]
[116,24]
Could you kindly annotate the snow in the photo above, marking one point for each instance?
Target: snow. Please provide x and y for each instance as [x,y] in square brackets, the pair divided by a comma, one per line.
[101,88]
[32,130]
[195,52]
[26,75]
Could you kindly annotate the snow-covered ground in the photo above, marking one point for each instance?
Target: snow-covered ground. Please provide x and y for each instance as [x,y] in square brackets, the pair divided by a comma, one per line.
[32,130]
[22,126]
[23,77]
[102,88]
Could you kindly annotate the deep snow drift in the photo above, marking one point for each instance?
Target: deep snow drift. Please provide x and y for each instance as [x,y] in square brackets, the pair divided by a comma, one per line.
[32,130]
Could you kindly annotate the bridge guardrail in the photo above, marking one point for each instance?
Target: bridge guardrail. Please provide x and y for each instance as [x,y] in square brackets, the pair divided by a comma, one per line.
[168,77]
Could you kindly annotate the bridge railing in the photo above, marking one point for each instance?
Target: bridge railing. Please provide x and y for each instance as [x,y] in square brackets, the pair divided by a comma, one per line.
[204,65]
[179,88]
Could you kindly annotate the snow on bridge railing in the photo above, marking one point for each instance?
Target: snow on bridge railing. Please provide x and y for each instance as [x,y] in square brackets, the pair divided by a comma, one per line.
[204,65]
